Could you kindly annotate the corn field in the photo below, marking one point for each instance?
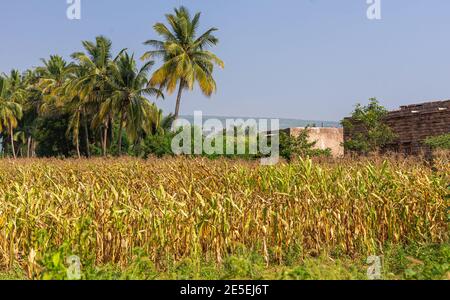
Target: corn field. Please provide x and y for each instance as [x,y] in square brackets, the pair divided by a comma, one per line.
[176,208]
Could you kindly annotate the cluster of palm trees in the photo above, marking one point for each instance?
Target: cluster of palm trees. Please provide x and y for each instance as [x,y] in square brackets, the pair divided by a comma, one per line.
[106,97]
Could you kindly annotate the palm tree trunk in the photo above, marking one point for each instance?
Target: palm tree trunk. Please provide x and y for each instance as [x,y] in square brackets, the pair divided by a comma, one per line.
[122,119]
[111,131]
[29,147]
[105,138]
[177,107]
[33,148]
[86,133]
[12,141]
[77,144]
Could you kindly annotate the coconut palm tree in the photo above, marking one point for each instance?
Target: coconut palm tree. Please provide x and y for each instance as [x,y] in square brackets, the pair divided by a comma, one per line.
[129,86]
[92,88]
[32,107]
[10,109]
[56,77]
[165,123]
[74,106]
[53,76]
[185,55]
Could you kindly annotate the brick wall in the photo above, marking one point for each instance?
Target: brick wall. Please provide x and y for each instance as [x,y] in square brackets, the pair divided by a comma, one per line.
[413,124]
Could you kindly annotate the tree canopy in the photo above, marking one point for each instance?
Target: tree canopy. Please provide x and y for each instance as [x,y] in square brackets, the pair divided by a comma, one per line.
[99,102]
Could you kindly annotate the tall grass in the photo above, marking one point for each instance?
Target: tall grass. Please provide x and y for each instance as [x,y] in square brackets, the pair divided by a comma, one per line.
[178,208]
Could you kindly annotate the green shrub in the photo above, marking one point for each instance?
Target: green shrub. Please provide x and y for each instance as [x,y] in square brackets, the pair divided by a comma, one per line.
[439,142]
[299,146]
[375,133]
[158,145]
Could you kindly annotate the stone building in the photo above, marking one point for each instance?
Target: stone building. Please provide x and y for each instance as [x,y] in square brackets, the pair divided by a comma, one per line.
[413,124]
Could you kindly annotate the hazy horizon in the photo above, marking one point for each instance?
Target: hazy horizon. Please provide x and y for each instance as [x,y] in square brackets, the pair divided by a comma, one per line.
[284,122]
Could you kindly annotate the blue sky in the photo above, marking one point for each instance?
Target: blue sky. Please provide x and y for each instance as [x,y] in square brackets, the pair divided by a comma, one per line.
[303,59]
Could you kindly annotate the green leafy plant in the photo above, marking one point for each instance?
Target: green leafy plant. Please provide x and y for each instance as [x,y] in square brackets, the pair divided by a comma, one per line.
[54,264]
[439,142]
[299,146]
[369,133]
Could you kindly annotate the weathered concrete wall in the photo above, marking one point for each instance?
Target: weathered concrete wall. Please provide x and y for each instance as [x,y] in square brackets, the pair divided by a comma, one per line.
[332,138]
[413,124]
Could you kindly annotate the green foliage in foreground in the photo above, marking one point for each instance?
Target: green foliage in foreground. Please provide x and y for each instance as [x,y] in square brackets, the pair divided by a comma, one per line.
[409,263]
[439,142]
